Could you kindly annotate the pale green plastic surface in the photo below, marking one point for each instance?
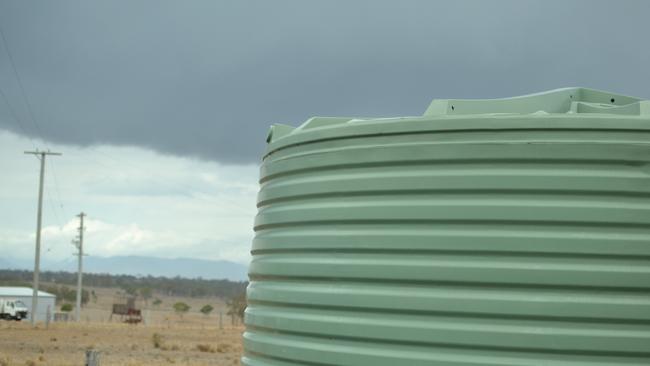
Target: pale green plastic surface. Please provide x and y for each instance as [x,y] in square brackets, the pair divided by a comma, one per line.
[497,232]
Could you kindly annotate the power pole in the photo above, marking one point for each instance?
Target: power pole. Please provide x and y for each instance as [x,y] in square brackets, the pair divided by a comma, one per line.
[79,243]
[37,258]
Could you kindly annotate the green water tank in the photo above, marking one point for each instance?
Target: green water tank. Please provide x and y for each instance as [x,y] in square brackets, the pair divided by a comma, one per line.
[485,232]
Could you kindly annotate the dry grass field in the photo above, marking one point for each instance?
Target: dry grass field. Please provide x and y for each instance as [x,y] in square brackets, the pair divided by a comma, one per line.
[165,339]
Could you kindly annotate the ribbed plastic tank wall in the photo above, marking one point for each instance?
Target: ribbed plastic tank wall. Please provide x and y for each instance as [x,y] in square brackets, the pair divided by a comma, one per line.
[489,232]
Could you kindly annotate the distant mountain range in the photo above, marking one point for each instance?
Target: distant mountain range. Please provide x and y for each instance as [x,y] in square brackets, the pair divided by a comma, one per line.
[143,266]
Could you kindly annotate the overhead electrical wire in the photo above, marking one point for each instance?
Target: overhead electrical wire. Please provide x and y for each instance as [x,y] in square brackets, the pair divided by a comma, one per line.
[39,131]
[15,117]
[20,84]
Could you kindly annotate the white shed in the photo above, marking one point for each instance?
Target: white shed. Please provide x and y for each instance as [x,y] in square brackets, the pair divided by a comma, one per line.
[24,294]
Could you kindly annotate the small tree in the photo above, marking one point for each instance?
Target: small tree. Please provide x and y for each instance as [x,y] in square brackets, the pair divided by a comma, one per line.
[181,308]
[66,307]
[85,297]
[146,294]
[67,294]
[130,289]
[236,306]
[206,309]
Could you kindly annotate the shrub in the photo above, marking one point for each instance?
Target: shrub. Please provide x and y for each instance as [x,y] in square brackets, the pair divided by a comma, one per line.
[173,347]
[237,305]
[206,309]
[205,348]
[223,348]
[181,308]
[157,340]
[66,307]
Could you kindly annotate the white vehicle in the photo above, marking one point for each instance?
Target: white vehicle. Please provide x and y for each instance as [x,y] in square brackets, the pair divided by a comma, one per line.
[12,309]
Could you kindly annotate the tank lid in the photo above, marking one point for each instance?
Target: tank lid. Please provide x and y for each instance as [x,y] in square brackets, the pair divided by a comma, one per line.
[566,100]
[569,104]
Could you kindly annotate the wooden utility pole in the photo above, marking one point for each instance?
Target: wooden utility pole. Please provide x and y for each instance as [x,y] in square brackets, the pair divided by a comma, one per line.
[37,257]
[79,243]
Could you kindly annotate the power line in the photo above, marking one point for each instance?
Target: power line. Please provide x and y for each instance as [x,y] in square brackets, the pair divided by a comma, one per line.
[19,123]
[31,115]
[54,212]
[20,83]
[56,188]
[15,117]
[54,208]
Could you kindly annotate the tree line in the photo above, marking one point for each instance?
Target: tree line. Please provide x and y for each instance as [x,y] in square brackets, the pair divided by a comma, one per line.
[176,286]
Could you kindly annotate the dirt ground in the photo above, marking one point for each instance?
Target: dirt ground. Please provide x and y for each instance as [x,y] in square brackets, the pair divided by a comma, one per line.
[165,339]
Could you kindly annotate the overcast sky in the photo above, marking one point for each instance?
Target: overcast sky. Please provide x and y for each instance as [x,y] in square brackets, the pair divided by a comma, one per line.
[161,107]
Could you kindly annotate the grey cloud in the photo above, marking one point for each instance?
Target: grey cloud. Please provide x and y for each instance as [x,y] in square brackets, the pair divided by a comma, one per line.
[207,78]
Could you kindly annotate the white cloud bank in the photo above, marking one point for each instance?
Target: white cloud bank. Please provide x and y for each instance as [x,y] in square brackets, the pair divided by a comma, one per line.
[138,203]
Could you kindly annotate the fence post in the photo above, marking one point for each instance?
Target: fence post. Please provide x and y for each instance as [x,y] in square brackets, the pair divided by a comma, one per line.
[48,314]
[92,357]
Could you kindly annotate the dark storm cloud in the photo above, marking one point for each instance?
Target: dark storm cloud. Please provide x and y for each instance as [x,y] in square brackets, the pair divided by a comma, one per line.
[205,79]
